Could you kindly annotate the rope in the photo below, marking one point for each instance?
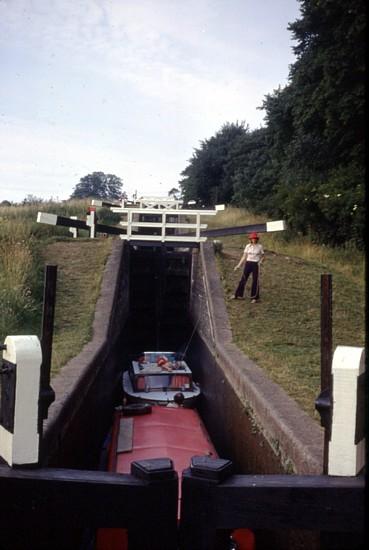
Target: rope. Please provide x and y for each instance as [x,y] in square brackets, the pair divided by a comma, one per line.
[192,334]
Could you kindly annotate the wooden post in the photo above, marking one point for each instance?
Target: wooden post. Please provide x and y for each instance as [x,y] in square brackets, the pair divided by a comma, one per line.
[198,508]
[47,394]
[91,221]
[74,230]
[326,332]
[324,402]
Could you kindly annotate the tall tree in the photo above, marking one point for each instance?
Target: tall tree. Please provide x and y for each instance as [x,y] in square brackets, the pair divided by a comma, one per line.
[99,186]
[308,164]
[175,193]
[317,123]
[254,177]
[208,177]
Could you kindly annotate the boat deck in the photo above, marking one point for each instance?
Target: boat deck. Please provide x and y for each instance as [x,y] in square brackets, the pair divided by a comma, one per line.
[168,432]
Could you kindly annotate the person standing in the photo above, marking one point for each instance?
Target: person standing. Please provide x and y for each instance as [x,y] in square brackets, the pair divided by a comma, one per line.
[252,257]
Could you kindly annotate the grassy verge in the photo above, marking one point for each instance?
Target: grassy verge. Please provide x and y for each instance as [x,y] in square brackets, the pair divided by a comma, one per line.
[25,246]
[282,332]
[80,268]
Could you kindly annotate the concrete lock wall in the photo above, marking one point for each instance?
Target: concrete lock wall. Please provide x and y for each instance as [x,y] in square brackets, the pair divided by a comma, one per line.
[85,387]
[251,419]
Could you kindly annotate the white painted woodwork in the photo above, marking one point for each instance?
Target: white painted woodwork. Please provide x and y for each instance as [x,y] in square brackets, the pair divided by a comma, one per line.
[73,230]
[168,238]
[91,222]
[279,225]
[44,217]
[185,212]
[22,446]
[96,202]
[345,458]
[181,220]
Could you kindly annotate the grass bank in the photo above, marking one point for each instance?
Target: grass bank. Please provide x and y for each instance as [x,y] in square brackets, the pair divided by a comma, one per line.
[25,247]
[282,332]
[80,268]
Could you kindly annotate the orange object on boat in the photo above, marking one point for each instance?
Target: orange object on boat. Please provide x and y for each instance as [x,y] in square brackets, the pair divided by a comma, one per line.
[244,538]
[111,539]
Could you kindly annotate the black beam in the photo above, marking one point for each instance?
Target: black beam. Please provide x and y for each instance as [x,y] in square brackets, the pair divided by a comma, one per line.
[68,499]
[110,229]
[273,502]
[168,244]
[53,219]
[47,394]
[322,503]
[79,224]
[326,355]
[240,230]
[69,222]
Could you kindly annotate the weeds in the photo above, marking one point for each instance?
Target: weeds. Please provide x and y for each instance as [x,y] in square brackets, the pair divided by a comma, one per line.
[21,267]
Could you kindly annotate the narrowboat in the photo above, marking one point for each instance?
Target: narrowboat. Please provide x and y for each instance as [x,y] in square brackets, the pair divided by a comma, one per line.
[165,424]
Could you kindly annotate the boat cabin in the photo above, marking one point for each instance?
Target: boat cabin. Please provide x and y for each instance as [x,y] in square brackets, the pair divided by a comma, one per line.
[157,376]
[159,371]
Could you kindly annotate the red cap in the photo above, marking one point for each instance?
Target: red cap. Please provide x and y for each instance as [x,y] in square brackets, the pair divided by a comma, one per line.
[253,236]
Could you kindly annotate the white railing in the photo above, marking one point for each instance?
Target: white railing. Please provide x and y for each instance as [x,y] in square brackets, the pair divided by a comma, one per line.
[161,224]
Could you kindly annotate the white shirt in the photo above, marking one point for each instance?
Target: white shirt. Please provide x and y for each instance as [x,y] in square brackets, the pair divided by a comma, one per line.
[254,252]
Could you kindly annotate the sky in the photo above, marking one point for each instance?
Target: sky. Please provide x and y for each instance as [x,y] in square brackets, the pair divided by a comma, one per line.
[129,87]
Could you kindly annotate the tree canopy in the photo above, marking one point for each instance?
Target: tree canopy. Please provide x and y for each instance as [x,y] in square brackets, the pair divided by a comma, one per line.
[307,164]
[208,177]
[99,186]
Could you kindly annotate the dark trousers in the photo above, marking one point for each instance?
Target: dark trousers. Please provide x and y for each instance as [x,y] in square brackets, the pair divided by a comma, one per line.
[250,267]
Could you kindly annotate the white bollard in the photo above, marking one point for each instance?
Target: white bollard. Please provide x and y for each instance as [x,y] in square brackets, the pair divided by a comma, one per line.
[91,222]
[20,445]
[346,458]
[73,230]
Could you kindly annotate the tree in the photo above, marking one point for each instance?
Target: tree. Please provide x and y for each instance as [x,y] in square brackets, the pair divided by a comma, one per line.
[175,193]
[254,177]
[99,186]
[308,164]
[317,123]
[31,199]
[208,177]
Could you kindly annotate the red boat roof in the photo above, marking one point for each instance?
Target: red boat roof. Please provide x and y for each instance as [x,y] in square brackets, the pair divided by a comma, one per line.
[175,433]
[166,432]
